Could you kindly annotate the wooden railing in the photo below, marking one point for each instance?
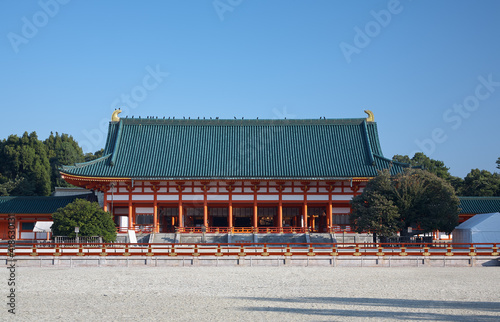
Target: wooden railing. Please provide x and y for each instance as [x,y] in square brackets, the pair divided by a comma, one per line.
[239,230]
[138,229]
[253,249]
[242,230]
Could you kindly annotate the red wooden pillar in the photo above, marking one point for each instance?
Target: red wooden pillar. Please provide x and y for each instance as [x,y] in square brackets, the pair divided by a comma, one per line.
[280,215]
[155,217]
[230,216]
[181,221]
[329,216]
[304,216]
[255,216]
[205,213]
[130,210]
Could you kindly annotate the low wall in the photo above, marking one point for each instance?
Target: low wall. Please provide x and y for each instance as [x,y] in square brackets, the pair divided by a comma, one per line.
[338,261]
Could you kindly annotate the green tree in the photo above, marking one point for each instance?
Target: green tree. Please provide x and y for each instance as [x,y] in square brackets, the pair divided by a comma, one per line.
[425,201]
[26,158]
[92,156]
[92,220]
[481,183]
[7,185]
[419,198]
[62,150]
[420,160]
[498,163]
[373,211]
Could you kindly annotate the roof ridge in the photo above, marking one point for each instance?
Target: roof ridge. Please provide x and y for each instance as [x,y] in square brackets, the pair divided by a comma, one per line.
[42,197]
[367,142]
[479,197]
[84,164]
[234,122]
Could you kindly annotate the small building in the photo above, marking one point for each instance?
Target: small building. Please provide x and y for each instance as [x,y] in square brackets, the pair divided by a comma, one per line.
[482,228]
[22,213]
[471,206]
[279,176]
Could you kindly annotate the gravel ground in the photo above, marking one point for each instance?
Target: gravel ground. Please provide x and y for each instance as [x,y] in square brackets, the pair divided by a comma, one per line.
[254,293]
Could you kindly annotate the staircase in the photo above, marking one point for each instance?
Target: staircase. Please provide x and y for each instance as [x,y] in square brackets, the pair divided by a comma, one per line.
[322,238]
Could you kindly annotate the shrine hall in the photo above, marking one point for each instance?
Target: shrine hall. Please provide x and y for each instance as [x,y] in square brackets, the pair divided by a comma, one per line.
[233,175]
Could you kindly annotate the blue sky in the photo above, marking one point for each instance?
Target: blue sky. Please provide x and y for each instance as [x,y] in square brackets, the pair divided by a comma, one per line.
[429,70]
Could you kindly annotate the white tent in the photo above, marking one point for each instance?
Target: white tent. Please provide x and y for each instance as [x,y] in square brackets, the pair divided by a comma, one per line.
[482,228]
[43,226]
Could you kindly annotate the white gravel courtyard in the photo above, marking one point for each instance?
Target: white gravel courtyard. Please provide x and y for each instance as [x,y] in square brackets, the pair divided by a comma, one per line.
[254,294]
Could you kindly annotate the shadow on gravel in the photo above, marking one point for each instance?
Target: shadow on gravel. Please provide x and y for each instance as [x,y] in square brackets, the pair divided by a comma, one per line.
[403,314]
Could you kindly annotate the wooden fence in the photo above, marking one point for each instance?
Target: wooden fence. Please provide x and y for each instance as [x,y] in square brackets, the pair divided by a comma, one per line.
[252,249]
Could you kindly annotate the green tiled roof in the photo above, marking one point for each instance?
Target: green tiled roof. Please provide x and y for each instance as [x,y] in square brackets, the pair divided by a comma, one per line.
[36,205]
[239,149]
[479,205]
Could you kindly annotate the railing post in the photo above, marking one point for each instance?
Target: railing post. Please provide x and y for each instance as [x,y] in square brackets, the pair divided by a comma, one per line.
[472,250]
[426,251]
[219,251]
[150,251]
[80,250]
[380,251]
[495,250]
[103,250]
[172,251]
[33,251]
[58,250]
[311,251]
[265,252]
[126,253]
[334,251]
[196,253]
[403,251]
[449,251]
[356,250]
[242,251]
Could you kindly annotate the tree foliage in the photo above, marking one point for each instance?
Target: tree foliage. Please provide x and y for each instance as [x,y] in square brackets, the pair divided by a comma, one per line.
[481,183]
[7,185]
[62,150]
[414,198]
[374,211]
[29,167]
[421,160]
[26,158]
[92,220]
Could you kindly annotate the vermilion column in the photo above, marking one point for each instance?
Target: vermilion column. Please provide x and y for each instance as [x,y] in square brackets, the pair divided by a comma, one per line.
[280,215]
[181,221]
[329,216]
[155,217]
[130,224]
[205,214]
[304,216]
[255,217]
[230,215]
